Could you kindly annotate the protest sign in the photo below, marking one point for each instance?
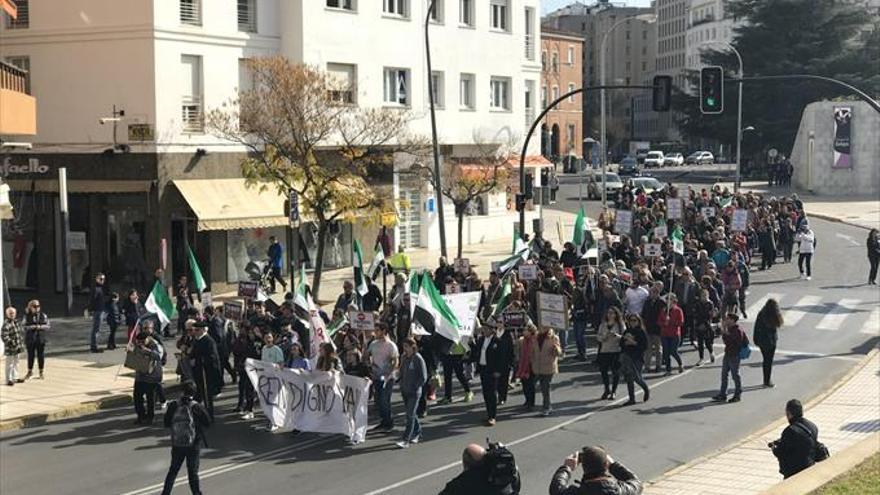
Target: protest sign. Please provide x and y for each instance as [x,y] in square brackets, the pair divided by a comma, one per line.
[207,299]
[513,319]
[660,232]
[623,221]
[361,320]
[462,265]
[528,272]
[552,311]
[707,211]
[233,310]
[248,289]
[674,208]
[464,306]
[316,401]
[653,249]
[740,220]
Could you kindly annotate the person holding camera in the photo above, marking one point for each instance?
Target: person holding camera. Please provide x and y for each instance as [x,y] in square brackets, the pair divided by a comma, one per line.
[602,475]
[148,380]
[799,446]
[487,472]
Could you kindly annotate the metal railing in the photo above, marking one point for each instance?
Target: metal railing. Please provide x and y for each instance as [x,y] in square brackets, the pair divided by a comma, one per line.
[191,114]
[191,12]
[13,78]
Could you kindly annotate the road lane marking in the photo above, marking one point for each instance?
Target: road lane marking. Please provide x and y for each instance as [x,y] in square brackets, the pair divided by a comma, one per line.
[526,438]
[756,306]
[834,319]
[872,324]
[848,238]
[794,315]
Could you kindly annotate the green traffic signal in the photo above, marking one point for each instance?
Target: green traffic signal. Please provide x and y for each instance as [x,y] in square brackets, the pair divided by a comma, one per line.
[711,90]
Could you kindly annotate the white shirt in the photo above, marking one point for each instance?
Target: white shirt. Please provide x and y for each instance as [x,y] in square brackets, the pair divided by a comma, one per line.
[634,299]
[806,241]
[486,343]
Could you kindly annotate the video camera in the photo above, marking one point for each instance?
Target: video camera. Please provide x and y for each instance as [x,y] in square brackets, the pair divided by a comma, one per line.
[501,468]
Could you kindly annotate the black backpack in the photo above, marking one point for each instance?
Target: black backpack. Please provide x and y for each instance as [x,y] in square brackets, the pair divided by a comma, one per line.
[501,467]
[183,425]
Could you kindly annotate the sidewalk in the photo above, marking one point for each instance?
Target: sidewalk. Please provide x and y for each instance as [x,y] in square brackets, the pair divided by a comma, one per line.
[846,415]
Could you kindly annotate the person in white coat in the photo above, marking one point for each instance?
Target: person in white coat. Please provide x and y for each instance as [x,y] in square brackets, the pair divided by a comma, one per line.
[806,242]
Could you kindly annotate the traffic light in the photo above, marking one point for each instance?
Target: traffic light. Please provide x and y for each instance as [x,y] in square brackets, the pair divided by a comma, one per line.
[712,89]
[662,95]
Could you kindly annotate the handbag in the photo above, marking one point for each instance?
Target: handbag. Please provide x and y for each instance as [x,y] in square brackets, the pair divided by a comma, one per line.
[745,351]
[138,361]
[820,450]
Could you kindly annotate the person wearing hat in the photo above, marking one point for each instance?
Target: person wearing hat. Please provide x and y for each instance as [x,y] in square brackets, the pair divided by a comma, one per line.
[207,373]
[602,475]
[147,382]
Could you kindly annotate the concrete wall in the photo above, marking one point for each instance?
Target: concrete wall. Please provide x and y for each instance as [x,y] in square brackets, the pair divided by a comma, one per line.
[863,179]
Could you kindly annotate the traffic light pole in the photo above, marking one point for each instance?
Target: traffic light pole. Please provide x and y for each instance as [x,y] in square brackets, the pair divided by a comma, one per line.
[521,196]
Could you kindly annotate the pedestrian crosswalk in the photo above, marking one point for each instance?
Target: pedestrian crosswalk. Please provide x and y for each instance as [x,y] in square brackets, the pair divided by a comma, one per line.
[822,313]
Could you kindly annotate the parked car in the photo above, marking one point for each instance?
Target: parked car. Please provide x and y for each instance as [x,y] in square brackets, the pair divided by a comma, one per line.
[654,159]
[673,160]
[613,185]
[628,166]
[648,184]
[700,158]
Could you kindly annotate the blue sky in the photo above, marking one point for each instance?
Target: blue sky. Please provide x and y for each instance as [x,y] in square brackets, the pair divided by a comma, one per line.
[551,5]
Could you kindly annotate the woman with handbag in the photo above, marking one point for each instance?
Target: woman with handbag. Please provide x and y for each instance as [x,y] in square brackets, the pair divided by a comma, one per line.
[36,324]
[608,335]
[767,324]
[634,342]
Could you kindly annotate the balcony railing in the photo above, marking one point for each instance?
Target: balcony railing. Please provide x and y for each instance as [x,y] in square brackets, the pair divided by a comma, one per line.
[530,47]
[13,78]
[191,114]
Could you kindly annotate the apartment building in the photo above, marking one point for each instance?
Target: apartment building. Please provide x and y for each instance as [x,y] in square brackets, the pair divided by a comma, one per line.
[123,88]
[561,59]
[708,27]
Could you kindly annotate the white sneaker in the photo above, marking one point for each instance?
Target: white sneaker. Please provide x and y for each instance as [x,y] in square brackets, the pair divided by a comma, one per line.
[809,277]
[402,444]
[700,362]
[415,440]
[247,416]
[274,428]
[802,276]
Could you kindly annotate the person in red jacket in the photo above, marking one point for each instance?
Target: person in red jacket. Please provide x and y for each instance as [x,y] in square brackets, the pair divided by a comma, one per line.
[670,321]
[733,337]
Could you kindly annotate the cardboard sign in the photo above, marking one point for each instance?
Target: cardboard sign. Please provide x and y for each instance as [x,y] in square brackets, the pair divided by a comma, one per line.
[514,319]
[207,299]
[528,272]
[361,320]
[623,222]
[653,249]
[674,208]
[248,289]
[707,211]
[552,311]
[462,265]
[661,232]
[233,310]
[740,220]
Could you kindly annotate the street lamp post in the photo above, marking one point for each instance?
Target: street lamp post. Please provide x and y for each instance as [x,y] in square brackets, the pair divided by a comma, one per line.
[435,146]
[604,138]
[739,110]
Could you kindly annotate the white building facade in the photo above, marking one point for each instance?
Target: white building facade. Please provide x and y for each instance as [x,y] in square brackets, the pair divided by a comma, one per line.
[123,87]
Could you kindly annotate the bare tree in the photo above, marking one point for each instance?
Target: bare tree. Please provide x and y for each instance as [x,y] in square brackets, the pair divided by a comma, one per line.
[303,134]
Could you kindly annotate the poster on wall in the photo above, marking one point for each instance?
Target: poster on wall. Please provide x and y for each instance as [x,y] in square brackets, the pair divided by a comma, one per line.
[842,138]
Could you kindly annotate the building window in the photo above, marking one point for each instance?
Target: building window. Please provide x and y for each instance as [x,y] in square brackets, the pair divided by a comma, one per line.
[466,95]
[344,80]
[395,7]
[544,61]
[644,50]
[191,93]
[23,17]
[466,12]
[341,4]
[555,94]
[499,93]
[437,12]
[628,35]
[554,62]
[628,66]
[396,83]
[529,33]
[569,134]
[498,14]
[437,87]
[247,16]
[22,62]
[644,35]
[543,97]
[644,66]
[191,12]
[570,59]
[570,89]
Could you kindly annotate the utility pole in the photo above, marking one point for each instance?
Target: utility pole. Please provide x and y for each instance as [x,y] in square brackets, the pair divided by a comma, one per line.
[65,240]
[435,146]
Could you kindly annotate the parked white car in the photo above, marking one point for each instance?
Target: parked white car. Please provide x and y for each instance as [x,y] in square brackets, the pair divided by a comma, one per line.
[673,160]
[654,159]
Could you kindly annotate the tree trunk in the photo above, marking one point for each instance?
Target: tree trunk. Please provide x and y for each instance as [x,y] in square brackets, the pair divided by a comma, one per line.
[459,212]
[319,259]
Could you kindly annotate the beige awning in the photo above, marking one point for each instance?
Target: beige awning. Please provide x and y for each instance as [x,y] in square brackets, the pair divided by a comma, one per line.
[81,186]
[229,204]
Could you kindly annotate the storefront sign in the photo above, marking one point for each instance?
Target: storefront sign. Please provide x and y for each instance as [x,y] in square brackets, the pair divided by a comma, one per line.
[552,311]
[248,289]
[76,241]
[361,320]
[842,137]
[233,310]
[33,167]
[140,132]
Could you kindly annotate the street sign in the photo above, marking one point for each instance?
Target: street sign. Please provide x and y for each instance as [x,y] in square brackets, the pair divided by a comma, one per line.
[248,289]
[361,320]
[294,208]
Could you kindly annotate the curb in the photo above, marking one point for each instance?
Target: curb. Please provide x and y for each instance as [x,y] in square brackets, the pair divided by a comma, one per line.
[74,411]
[772,426]
[830,218]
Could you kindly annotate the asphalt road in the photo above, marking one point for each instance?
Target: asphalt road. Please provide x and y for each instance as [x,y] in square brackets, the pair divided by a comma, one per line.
[829,329]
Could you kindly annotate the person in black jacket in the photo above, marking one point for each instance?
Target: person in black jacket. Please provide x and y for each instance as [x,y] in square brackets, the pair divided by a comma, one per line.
[633,345]
[493,353]
[201,420]
[602,475]
[223,339]
[795,450]
[475,477]
[767,324]
[97,305]
[184,304]
[36,324]
[373,298]
[206,369]
[114,318]
[873,244]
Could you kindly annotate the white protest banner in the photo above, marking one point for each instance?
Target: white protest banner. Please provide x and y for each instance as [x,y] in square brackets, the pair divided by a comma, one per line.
[361,320]
[552,311]
[623,221]
[740,220]
[316,401]
[661,232]
[317,337]
[528,272]
[707,211]
[653,249]
[674,208]
[462,265]
[464,306]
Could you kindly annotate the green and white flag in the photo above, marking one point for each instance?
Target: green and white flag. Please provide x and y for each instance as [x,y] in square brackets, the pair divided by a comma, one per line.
[582,237]
[336,325]
[377,264]
[677,241]
[432,312]
[503,297]
[195,271]
[303,297]
[160,304]
[360,281]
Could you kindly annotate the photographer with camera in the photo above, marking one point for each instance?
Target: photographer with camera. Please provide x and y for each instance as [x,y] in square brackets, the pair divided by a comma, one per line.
[799,447]
[489,471]
[602,475]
